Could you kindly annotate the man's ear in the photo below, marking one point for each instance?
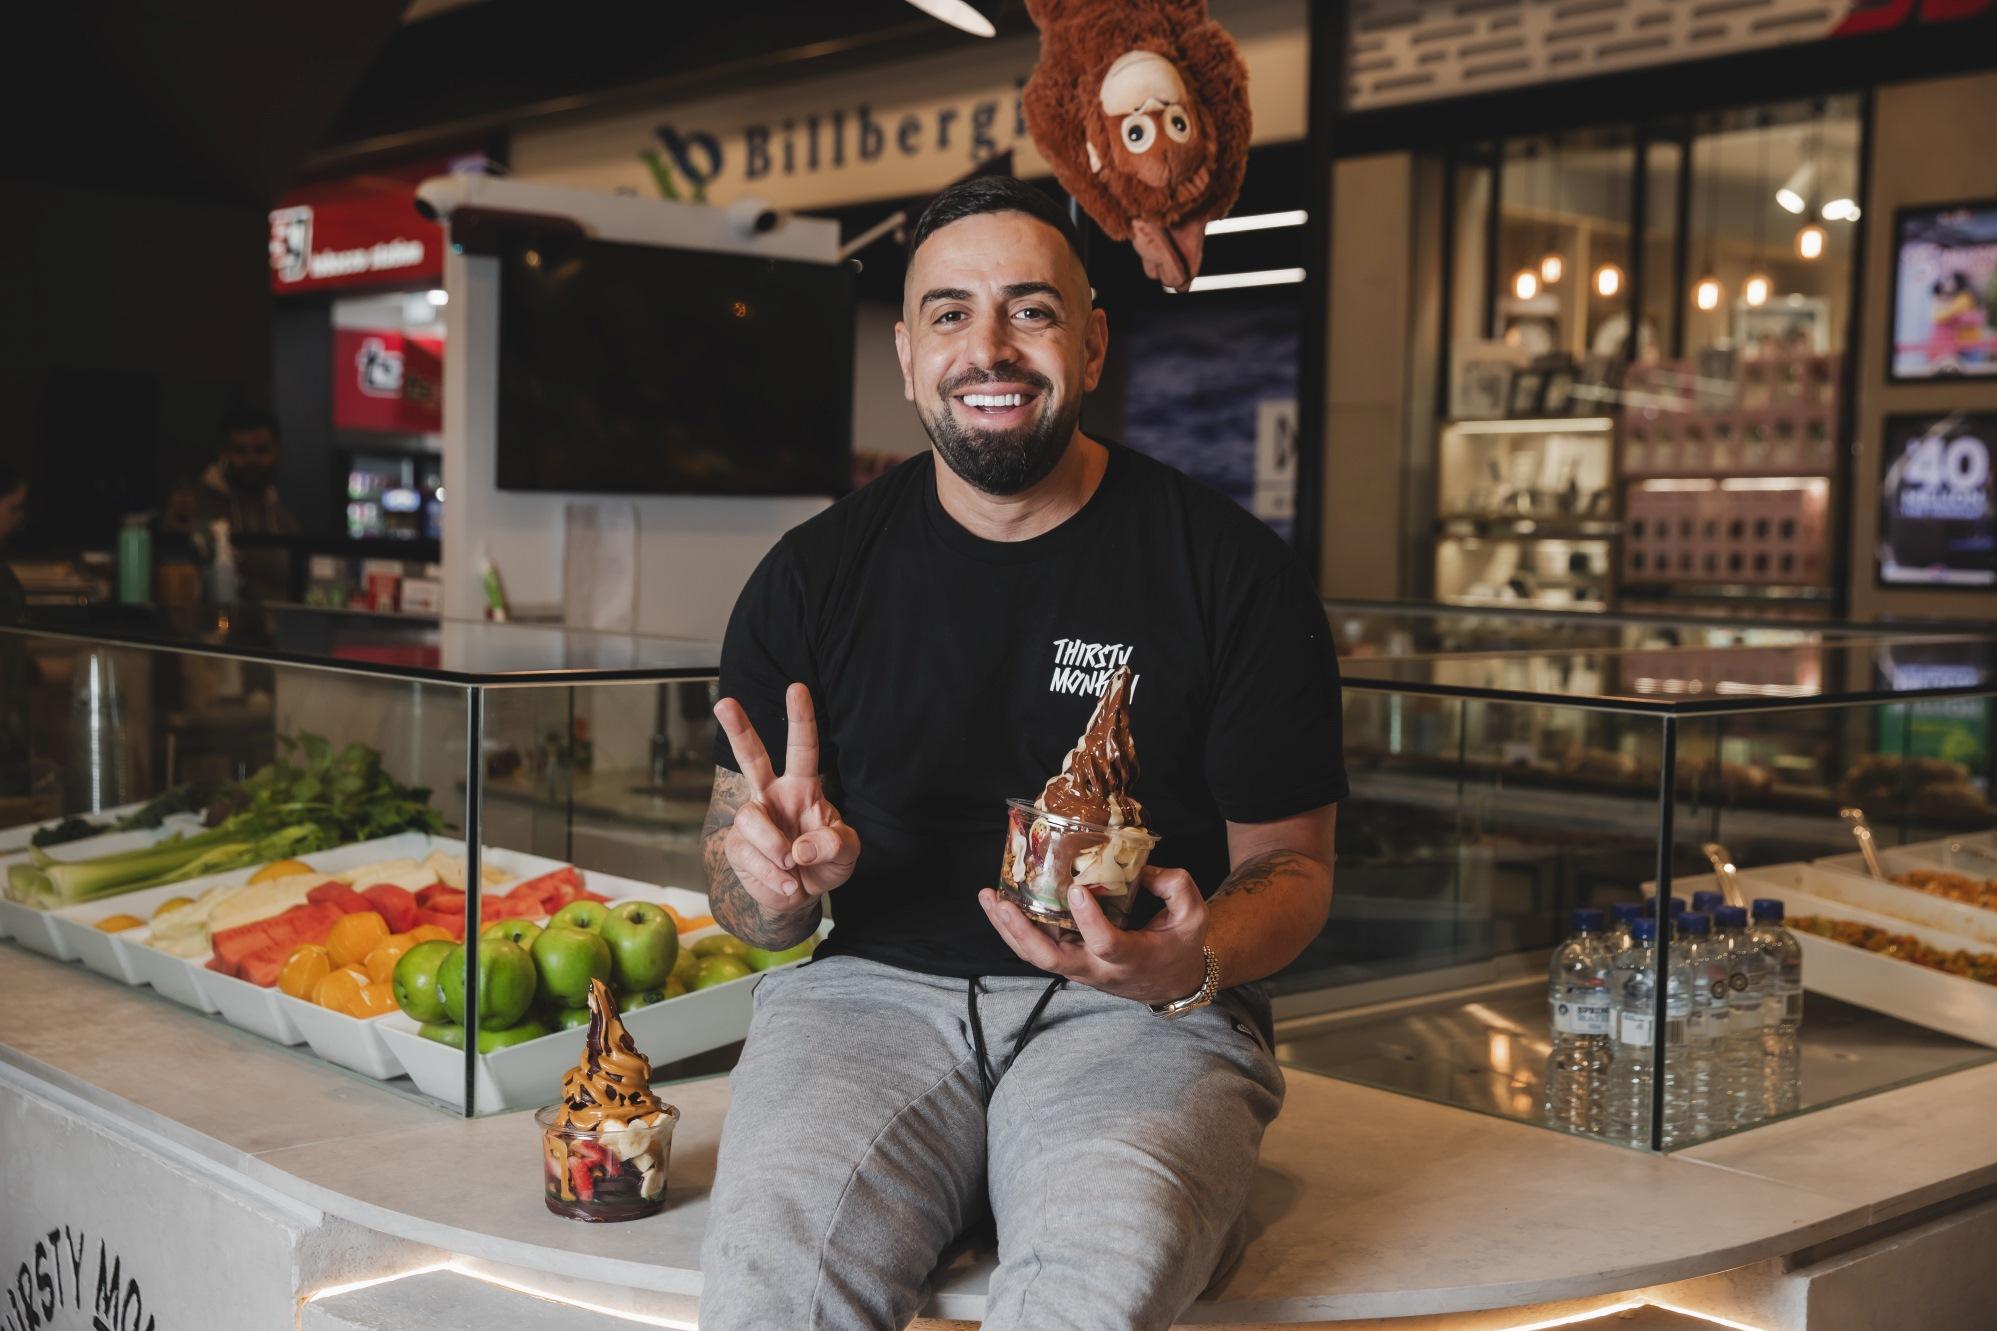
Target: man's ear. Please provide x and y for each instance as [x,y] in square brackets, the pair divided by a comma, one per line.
[1095,349]
[901,352]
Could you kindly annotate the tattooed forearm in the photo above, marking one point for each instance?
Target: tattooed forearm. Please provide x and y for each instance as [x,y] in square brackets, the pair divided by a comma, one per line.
[733,908]
[1260,872]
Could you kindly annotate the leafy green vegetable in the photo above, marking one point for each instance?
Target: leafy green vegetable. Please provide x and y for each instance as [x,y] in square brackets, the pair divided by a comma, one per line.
[282,810]
[69,829]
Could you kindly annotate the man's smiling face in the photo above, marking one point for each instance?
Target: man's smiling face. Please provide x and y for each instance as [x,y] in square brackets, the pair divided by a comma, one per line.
[998,346]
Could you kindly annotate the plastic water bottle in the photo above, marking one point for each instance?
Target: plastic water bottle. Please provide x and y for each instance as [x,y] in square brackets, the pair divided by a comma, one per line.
[1578,1012]
[1621,915]
[1633,996]
[1706,1028]
[1747,991]
[1707,901]
[1782,1012]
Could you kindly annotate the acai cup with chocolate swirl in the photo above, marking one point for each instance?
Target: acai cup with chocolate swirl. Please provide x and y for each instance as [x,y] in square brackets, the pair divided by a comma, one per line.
[1084,830]
[606,1145]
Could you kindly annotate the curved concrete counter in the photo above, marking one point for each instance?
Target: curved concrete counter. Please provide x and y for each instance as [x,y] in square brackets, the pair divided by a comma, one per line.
[1368,1204]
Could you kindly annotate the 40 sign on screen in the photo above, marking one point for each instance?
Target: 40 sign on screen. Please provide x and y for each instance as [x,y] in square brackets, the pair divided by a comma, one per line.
[1936,524]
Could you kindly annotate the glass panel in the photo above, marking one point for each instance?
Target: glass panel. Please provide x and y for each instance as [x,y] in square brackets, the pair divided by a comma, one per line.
[359,769]
[1563,245]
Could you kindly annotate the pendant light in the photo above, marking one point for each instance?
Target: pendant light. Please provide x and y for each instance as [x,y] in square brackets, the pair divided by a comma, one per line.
[1758,287]
[959,14]
[1608,279]
[1525,282]
[1811,238]
[1707,291]
[1552,267]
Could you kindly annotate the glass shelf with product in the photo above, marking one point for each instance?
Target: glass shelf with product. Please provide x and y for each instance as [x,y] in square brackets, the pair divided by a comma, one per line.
[1819,811]
[1526,513]
[276,816]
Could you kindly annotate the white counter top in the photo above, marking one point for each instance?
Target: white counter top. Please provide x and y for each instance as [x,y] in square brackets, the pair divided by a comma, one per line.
[1368,1204]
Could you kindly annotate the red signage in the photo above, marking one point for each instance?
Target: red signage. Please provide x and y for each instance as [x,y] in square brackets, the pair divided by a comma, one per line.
[384,379]
[359,231]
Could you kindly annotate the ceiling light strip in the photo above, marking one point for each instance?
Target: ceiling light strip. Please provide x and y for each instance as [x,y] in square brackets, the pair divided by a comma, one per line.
[1257,222]
[1265,277]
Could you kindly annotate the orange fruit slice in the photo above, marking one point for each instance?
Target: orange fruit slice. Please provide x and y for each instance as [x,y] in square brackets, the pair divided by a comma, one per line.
[303,970]
[172,903]
[424,933]
[353,936]
[375,999]
[380,962]
[341,989]
[112,924]
[279,869]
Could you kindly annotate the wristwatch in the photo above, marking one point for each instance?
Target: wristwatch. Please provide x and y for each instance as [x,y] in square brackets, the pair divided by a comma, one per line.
[1200,997]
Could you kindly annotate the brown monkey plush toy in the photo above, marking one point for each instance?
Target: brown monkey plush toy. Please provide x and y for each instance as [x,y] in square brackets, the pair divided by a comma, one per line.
[1141,106]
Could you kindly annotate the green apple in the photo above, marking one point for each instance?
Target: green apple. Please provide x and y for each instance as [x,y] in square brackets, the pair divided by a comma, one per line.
[719,970]
[568,959]
[763,959]
[684,968]
[585,915]
[568,1018]
[675,986]
[443,1032]
[505,983]
[721,945]
[531,1029]
[523,932]
[644,944]
[642,998]
[417,972]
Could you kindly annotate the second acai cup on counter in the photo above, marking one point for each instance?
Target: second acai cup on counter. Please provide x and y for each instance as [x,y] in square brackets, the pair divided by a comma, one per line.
[1047,854]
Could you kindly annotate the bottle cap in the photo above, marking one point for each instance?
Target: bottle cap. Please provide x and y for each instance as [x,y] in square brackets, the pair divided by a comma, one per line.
[1622,912]
[1730,917]
[1767,908]
[1708,900]
[1677,905]
[1587,920]
[1643,929]
[1696,923]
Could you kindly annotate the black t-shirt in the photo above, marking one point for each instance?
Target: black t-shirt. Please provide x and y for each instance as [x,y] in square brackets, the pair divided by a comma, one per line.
[951,673]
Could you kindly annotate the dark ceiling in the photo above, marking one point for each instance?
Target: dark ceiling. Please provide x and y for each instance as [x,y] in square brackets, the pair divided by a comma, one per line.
[458,76]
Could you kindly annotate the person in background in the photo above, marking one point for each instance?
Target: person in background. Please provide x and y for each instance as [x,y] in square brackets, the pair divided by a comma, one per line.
[13,512]
[240,488]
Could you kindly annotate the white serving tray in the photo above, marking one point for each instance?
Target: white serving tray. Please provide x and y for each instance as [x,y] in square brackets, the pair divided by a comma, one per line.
[33,927]
[1966,1009]
[358,1043]
[17,837]
[112,955]
[530,1075]
[1844,878]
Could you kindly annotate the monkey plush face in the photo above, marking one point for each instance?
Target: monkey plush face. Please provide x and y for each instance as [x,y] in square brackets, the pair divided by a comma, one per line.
[1149,132]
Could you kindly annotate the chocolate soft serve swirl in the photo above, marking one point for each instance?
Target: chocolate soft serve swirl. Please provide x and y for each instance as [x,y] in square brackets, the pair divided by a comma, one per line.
[1098,772]
[613,1080]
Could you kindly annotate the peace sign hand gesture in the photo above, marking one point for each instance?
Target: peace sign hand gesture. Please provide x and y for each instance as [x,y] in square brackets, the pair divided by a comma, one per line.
[788,846]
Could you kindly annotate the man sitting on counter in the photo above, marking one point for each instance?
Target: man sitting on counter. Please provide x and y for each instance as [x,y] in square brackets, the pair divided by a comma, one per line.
[928,648]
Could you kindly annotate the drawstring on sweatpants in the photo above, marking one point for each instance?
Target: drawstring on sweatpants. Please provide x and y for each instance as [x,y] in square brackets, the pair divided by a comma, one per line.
[985,1074]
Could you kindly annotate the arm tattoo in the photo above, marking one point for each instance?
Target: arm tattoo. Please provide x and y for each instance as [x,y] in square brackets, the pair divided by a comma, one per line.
[1259,872]
[734,909]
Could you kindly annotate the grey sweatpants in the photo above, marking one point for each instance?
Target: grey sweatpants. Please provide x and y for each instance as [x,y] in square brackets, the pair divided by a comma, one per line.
[1115,1154]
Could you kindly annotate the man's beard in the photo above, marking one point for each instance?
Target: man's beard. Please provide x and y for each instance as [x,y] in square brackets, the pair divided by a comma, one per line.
[1002,462]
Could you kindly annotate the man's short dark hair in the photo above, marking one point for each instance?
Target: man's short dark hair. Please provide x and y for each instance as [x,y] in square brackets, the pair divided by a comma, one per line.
[993,194]
[244,419]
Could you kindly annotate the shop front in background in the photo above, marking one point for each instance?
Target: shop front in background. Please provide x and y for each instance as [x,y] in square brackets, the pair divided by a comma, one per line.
[359,333]
[1644,394]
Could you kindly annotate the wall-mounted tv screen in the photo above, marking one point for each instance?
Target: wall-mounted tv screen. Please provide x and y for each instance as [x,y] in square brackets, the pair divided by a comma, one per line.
[1936,524]
[1945,292]
[637,369]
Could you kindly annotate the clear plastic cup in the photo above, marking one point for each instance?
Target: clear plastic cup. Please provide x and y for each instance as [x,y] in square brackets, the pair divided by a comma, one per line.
[1046,854]
[597,1174]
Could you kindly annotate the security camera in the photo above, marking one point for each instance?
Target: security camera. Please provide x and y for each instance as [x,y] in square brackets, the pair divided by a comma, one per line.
[753,217]
[439,196]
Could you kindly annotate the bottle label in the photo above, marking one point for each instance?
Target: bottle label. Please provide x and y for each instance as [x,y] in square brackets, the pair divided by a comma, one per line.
[1577,1015]
[1636,1028]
